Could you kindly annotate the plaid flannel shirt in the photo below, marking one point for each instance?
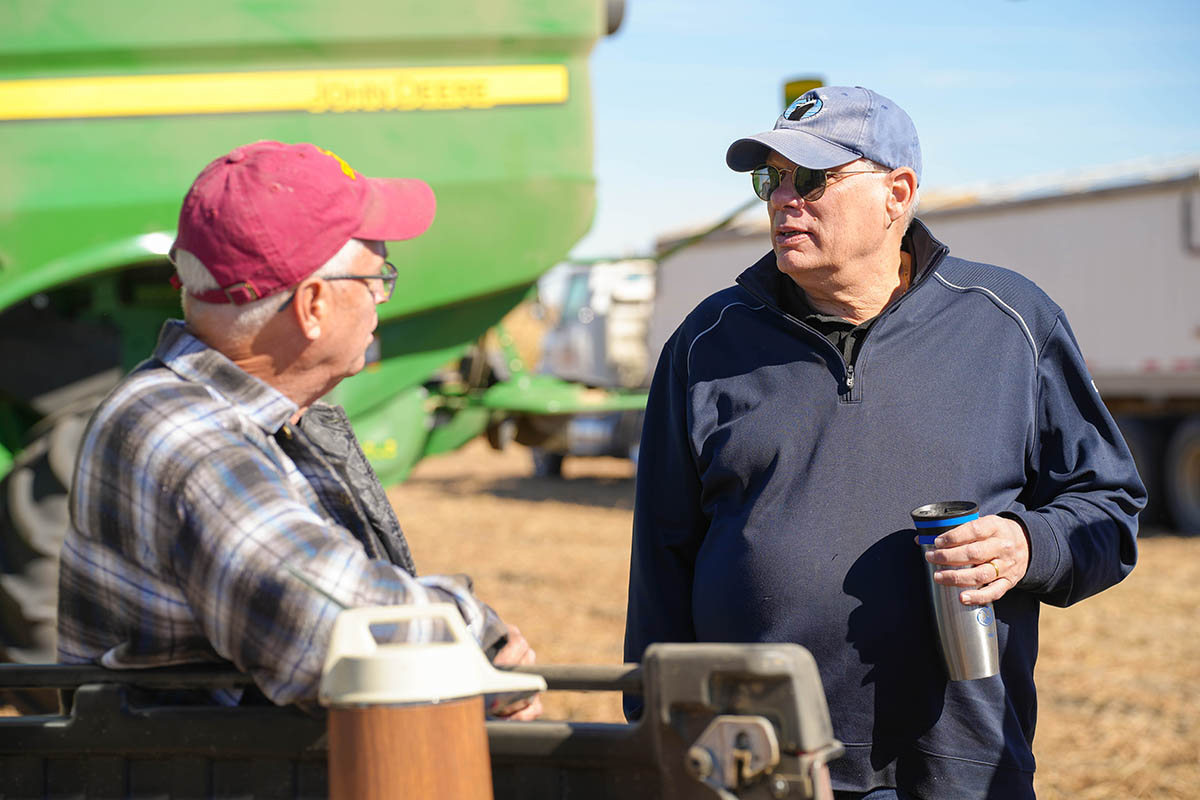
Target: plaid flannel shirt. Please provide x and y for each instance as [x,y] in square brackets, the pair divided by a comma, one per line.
[196,537]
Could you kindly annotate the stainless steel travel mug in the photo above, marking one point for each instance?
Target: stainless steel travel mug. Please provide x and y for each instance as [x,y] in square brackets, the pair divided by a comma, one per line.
[966,634]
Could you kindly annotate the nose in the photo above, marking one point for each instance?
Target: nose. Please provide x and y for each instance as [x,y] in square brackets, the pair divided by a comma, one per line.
[378,291]
[785,193]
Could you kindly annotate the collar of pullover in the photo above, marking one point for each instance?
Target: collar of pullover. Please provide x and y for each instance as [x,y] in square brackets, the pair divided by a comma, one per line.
[764,280]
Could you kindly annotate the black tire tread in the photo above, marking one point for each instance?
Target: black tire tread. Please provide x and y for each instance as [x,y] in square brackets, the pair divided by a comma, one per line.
[1183,476]
[34,519]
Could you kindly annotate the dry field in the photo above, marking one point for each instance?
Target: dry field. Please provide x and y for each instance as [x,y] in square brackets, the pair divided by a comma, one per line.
[1118,675]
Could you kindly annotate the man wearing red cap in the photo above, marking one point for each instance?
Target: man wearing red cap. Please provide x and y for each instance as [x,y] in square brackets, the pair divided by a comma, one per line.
[220,511]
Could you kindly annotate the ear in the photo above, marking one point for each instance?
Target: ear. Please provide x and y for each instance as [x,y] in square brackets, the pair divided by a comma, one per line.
[901,193]
[312,307]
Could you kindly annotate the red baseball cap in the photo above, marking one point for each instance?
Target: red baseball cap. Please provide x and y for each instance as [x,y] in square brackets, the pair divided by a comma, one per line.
[268,215]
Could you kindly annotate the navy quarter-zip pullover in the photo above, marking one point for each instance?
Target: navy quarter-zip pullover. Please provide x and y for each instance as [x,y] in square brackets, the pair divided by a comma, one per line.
[775,483]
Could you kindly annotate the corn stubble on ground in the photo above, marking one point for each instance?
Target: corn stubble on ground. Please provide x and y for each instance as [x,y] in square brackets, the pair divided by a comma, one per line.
[1118,675]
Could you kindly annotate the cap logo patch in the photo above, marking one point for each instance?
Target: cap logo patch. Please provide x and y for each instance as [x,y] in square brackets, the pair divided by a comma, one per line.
[346,168]
[803,107]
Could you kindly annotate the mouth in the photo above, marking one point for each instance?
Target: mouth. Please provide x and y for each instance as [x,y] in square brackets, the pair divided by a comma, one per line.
[789,236]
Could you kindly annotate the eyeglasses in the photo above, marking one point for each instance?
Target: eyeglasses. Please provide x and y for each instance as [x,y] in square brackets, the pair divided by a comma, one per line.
[381,291]
[810,183]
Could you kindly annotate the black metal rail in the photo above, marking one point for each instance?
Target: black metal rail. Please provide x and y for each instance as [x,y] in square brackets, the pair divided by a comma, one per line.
[565,677]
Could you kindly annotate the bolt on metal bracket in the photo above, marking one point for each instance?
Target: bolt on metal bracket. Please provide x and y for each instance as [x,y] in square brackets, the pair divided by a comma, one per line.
[733,750]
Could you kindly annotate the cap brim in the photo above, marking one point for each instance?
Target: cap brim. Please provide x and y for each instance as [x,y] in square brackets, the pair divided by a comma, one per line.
[798,147]
[396,209]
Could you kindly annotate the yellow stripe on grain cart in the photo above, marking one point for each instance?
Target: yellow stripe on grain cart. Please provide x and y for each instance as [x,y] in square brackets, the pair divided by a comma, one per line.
[315,91]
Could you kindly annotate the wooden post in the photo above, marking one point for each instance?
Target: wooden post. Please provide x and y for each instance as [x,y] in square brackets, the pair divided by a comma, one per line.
[406,718]
[434,750]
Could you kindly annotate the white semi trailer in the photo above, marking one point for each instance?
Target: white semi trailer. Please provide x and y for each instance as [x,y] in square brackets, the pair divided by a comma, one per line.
[1118,249]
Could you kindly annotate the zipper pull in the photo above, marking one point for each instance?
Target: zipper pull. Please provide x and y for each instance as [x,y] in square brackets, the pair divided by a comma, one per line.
[849,376]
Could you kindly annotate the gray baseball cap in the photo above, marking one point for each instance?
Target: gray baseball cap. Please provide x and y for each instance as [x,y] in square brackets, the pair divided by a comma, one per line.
[830,126]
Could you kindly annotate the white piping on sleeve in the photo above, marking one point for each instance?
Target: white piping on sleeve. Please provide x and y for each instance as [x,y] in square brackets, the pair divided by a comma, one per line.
[996,299]
[720,317]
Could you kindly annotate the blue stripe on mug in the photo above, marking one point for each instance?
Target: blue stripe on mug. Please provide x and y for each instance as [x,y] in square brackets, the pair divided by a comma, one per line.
[946,523]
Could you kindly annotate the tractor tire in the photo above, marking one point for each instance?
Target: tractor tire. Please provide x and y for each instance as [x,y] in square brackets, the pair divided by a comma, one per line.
[1182,474]
[34,519]
[501,434]
[546,464]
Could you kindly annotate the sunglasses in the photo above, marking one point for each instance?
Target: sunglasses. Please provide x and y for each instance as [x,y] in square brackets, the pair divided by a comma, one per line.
[809,183]
[381,291]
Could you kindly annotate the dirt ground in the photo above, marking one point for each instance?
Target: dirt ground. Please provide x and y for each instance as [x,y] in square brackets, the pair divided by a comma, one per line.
[1118,675]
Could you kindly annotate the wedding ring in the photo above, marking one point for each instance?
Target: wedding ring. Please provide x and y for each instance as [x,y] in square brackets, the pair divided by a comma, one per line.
[996,567]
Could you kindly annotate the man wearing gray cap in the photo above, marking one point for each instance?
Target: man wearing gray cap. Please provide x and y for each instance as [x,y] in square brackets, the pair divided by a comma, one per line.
[854,373]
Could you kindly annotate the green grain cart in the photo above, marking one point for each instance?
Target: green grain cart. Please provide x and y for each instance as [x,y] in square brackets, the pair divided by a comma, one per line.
[109,110]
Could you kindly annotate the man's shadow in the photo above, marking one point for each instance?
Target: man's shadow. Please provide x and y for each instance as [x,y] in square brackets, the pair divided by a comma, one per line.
[894,636]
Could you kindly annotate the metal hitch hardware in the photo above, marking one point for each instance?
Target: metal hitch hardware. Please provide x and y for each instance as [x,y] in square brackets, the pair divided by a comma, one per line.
[733,751]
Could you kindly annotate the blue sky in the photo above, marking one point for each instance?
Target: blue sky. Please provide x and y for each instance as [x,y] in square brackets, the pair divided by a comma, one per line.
[999,90]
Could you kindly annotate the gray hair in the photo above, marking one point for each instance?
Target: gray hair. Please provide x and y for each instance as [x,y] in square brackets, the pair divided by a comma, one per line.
[247,319]
[911,213]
